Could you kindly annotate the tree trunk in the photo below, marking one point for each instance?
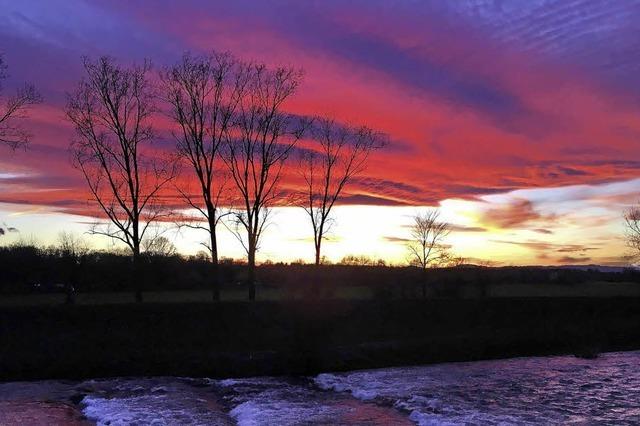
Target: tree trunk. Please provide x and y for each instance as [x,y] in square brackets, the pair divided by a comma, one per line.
[137,278]
[215,277]
[315,277]
[424,283]
[215,281]
[251,278]
[318,252]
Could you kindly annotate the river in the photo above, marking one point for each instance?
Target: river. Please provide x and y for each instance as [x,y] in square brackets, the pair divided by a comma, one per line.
[537,390]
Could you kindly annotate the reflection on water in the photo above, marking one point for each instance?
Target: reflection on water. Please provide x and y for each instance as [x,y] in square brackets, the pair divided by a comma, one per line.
[553,390]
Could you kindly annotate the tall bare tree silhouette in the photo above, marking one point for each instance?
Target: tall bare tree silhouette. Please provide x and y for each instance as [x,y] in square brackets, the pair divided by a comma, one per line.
[255,151]
[342,155]
[204,92]
[111,110]
[14,109]
[426,246]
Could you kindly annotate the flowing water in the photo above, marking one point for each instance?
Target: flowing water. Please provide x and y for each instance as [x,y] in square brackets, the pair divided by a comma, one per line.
[542,390]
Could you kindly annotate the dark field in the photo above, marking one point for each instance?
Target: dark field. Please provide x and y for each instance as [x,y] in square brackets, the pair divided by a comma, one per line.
[361,293]
[306,319]
[232,339]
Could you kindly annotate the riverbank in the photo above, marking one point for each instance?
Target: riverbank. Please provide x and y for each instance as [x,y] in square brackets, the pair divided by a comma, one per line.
[241,339]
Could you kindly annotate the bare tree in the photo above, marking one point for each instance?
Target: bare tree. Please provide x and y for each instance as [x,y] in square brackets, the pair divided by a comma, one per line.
[357,260]
[427,247]
[632,222]
[263,136]
[72,245]
[342,155]
[159,246]
[203,93]
[13,110]
[455,261]
[111,110]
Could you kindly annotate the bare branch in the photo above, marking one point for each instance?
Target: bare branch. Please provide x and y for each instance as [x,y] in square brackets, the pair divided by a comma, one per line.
[342,154]
[256,147]
[15,109]
[203,93]
[427,246]
[110,110]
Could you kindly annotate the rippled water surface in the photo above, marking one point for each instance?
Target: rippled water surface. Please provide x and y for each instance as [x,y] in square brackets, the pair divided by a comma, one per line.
[518,391]
[553,390]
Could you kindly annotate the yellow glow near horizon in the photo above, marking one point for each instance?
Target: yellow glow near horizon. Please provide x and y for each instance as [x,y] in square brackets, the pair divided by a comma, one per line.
[376,232]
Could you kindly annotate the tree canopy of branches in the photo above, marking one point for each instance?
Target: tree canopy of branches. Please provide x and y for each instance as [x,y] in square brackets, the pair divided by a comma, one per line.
[426,247]
[13,110]
[632,222]
[342,155]
[262,138]
[159,246]
[72,245]
[203,93]
[361,260]
[111,110]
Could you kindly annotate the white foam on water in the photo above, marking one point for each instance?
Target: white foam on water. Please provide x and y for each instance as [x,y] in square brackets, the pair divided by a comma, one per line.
[365,395]
[143,401]
[246,414]
[329,381]
[550,390]
[278,412]
[553,390]
[117,411]
[275,401]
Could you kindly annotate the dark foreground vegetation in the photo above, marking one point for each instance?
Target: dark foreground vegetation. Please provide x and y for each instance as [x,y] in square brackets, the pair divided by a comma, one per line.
[307,318]
[29,270]
[269,338]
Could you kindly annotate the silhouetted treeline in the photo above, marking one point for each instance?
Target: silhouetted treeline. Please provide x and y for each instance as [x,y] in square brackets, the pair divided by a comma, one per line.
[27,269]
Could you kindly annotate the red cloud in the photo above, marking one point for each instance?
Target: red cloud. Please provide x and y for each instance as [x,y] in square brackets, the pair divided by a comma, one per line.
[466,115]
[517,214]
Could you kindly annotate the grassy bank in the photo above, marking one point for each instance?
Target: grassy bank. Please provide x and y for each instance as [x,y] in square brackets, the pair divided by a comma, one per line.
[344,292]
[264,338]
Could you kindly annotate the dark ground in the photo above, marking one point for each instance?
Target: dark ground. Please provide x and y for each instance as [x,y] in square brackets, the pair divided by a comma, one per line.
[233,339]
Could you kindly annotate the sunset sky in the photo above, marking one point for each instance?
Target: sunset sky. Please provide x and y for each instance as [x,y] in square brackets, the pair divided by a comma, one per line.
[519,119]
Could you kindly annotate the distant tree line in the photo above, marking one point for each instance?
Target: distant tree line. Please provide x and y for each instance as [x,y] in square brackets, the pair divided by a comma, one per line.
[27,268]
